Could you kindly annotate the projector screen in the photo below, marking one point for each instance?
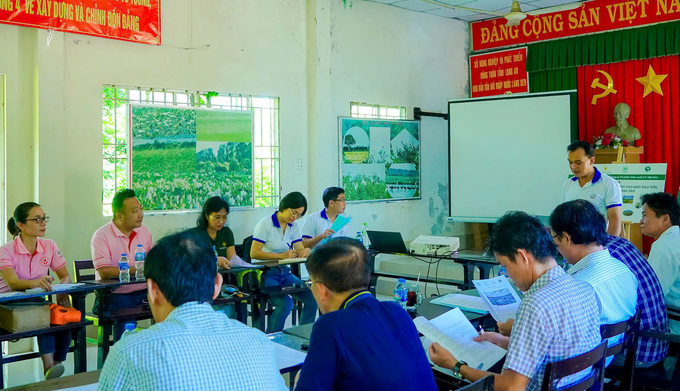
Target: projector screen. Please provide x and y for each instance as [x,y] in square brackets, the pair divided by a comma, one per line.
[509,153]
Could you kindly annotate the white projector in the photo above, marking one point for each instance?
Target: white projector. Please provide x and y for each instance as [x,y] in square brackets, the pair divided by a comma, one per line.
[431,245]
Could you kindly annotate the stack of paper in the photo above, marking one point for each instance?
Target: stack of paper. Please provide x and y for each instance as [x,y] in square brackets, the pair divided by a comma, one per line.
[454,332]
[287,357]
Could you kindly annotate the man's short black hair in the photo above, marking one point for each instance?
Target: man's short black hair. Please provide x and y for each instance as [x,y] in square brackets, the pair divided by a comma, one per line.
[293,200]
[331,194]
[581,220]
[184,267]
[663,204]
[518,230]
[120,197]
[587,147]
[341,265]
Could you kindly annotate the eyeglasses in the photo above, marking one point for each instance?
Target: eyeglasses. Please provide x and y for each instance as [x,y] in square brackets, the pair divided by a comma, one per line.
[309,283]
[294,213]
[218,218]
[40,220]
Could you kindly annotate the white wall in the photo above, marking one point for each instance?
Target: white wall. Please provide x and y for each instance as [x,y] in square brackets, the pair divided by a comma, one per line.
[317,56]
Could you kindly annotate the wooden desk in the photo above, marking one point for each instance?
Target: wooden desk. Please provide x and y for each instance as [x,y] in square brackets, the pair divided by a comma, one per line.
[79,379]
[80,343]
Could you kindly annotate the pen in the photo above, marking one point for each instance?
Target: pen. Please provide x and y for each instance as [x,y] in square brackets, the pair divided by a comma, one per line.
[481,330]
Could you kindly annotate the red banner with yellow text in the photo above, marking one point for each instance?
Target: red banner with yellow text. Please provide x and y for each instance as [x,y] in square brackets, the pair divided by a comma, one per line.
[128,20]
[499,73]
[591,17]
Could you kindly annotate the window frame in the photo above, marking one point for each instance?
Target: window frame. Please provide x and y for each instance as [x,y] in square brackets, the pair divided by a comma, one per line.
[194,99]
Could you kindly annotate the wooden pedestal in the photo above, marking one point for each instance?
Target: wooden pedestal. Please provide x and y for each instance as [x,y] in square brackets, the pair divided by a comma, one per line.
[607,156]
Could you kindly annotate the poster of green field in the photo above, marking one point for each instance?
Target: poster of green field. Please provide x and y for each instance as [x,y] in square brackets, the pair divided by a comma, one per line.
[380,159]
[183,156]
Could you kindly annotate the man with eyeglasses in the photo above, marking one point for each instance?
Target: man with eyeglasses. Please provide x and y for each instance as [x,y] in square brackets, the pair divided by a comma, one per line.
[120,236]
[358,340]
[591,185]
[318,225]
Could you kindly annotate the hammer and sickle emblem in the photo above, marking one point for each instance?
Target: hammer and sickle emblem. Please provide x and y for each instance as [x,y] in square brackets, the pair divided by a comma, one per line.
[606,89]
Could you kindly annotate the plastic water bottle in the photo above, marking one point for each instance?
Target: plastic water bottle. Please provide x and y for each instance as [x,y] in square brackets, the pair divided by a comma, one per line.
[140,257]
[360,238]
[124,268]
[129,329]
[364,235]
[401,293]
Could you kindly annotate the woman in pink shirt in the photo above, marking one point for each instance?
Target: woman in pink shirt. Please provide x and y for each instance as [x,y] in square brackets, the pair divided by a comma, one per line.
[25,264]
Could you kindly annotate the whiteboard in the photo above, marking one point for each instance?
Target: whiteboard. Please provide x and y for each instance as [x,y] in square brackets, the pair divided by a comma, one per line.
[509,153]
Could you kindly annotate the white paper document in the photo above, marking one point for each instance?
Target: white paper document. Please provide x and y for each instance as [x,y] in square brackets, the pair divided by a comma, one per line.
[56,287]
[454,332]
[287,357]
[464,302]
[499,296]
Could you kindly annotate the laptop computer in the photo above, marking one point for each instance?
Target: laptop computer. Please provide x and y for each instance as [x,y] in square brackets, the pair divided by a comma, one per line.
[387,242]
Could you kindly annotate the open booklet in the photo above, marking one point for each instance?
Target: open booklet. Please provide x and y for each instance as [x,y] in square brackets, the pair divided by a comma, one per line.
[56,287]
[454,332]
[499,296]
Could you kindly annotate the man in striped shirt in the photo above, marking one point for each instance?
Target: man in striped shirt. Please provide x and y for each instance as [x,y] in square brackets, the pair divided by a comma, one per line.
[557,319]
[650,302]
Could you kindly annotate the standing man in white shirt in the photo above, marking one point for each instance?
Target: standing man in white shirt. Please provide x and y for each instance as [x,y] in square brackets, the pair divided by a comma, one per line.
[318,225]
[591,185]
[660,220]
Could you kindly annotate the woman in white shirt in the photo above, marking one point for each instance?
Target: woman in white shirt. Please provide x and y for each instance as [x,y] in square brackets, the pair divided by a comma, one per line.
[279,237]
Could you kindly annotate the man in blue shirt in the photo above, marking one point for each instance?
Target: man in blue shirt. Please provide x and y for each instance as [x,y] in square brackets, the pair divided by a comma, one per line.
[580,234]
[192,347]
[359,343]
[557,319]
[650,301]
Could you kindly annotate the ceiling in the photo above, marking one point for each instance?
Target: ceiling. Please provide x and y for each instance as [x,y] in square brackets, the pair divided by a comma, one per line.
[487,5]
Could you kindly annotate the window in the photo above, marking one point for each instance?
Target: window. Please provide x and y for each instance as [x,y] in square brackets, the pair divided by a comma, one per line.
[115,109]
[365,110]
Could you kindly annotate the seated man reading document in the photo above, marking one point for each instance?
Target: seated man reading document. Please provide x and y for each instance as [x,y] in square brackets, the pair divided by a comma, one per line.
[191,347]
[559,317]
[359,343]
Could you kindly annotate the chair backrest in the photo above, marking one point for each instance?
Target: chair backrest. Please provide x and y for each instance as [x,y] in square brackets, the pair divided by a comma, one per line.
[82,269]
[483,384]
[628,327]
[247,243]
[561,369]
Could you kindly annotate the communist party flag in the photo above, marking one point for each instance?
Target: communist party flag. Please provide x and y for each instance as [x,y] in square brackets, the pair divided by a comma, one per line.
[651,89]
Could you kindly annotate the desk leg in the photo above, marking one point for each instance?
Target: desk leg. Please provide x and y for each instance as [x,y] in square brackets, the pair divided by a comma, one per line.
[105,331]
[80,348]
[374,278]
[261,312]
[292,375]
[469,273]
[484,271]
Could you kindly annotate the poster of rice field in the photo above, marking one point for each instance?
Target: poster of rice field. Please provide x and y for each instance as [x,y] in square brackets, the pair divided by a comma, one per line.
[379,159]
[182,156]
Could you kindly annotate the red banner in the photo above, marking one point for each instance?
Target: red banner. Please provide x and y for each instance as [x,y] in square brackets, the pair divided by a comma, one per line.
[128,20]
[591,17]
[498,73]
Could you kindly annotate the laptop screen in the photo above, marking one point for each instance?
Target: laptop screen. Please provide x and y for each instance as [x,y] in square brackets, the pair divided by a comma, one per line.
[387,242]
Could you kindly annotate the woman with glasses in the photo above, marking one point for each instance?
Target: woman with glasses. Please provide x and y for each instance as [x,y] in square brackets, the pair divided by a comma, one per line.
[278,237]
[213,221]
[24,264]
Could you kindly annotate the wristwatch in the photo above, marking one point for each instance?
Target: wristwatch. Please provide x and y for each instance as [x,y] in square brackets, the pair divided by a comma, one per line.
[456,369]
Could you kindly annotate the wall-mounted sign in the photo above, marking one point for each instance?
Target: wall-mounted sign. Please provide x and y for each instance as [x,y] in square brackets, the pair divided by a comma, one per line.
[498,73]
[128,20]
[591,17]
